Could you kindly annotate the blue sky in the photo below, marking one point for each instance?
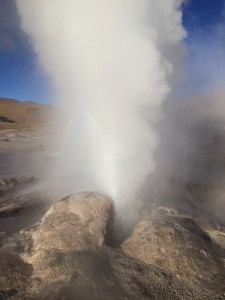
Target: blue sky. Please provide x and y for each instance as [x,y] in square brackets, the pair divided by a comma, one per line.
[205,62]
[203,14]
[21,77]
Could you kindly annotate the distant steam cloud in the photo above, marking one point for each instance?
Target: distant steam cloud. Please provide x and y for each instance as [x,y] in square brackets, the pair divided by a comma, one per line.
[112,64]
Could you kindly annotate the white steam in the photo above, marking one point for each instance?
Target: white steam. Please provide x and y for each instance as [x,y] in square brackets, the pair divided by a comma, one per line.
[112,63]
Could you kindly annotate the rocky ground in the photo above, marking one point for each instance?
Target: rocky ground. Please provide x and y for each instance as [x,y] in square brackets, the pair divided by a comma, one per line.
[68,249]
[68,254]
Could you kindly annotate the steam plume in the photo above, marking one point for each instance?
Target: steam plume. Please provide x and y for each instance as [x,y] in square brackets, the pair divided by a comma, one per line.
[112,64]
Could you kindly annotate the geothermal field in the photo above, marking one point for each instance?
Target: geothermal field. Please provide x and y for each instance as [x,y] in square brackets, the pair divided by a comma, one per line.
[56,245]
[113,187]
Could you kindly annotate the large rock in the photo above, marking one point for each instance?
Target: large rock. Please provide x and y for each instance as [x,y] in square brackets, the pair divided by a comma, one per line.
[177,244]
[65,256]
[75,223]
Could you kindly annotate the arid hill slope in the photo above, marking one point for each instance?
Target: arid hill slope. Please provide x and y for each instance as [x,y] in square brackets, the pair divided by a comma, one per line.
[24,113]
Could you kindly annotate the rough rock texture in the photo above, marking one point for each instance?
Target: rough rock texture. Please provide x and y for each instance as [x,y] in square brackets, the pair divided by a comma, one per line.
[177,244]
[65,256]
[75,223]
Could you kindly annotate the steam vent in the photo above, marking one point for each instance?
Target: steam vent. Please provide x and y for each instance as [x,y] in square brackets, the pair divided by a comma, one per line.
[67,256]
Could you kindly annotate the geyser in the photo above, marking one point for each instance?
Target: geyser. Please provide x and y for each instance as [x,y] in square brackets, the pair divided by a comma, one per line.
[112,64]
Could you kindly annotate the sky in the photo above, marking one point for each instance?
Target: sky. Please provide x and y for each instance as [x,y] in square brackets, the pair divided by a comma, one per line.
[204,67]
[202,14]
[21,77]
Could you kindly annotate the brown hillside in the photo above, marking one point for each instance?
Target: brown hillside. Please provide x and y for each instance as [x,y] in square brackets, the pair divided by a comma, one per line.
[26,113]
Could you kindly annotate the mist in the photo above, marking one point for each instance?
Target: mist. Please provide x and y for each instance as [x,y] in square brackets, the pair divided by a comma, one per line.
[189,171]
[112,65]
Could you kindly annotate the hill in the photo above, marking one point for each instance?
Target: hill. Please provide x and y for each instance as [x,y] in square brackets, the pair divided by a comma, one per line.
[14,113]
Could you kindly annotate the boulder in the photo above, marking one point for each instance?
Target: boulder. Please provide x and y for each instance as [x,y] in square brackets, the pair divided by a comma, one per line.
[176,243]
[75,223]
